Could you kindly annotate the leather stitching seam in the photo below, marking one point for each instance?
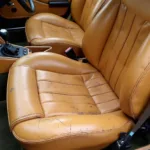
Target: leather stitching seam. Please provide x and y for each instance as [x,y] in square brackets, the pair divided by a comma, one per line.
[64,94]
[89,92]
[122,48]
[68,135]
[96,86]
[129,54]
[77,95]
[108,38]
[134,90]
[49,41]
[59,82]
[24,118]
[107,101]
[103,93]
[41,80]
[50,101]
[38,93]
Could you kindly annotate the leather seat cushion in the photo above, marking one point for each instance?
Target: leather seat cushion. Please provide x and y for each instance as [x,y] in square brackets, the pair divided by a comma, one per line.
[62,94]
[50,29]
[65,102]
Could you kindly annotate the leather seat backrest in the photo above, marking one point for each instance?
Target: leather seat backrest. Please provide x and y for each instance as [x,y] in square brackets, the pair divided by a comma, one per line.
[117,43]
[83,11]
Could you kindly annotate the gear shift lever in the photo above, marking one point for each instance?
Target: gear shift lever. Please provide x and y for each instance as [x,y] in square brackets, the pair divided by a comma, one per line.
[4,34]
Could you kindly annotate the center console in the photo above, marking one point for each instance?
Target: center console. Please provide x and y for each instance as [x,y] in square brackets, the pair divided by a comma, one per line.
[8,57]
[9,53]
[9,50]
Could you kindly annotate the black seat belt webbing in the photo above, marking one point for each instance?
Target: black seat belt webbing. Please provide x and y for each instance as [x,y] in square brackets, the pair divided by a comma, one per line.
[145,115]
[122,143]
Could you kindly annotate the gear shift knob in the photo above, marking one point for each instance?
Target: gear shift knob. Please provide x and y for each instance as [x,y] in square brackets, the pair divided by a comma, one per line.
[4,34]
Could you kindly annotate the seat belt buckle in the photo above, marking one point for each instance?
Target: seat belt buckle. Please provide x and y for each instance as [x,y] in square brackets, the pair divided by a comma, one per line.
[123,143]
[70,53]
[84,60]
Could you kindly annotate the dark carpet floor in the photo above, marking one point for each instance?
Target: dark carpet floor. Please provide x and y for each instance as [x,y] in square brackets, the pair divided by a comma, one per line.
[7,141]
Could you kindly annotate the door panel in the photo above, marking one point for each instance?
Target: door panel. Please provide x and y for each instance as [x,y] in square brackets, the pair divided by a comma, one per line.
[40,5]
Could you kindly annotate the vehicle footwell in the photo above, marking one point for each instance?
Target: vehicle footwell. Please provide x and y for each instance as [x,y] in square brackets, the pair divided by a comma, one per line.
[7,141]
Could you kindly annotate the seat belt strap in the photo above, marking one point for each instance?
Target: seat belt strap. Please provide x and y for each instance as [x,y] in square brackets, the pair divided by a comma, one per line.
[124,140]
[145,115]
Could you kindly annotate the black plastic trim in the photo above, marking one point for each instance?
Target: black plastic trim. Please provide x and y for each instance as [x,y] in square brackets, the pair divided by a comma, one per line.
[59,3]
[9,50]
[16,34]
[16,29]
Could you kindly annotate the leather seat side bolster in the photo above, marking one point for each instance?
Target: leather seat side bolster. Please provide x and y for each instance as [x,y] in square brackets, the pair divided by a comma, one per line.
[134,89]
[54,20]
[55,41]
[72,132]
[22,93]
[54,63]
[34,24]
[36,33]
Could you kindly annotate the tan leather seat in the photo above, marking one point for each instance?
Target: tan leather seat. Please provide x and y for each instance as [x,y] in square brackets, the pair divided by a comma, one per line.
[61,104]
[60,33]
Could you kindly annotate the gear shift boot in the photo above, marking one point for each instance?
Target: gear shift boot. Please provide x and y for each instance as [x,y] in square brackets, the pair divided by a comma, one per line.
[8,50]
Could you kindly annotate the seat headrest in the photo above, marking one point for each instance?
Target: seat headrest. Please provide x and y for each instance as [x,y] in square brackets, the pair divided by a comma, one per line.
[139,7]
